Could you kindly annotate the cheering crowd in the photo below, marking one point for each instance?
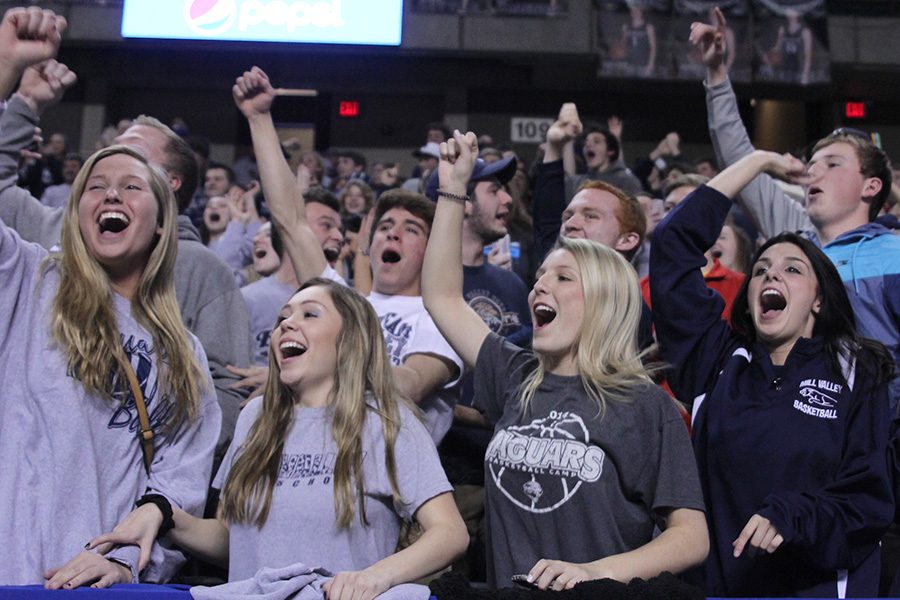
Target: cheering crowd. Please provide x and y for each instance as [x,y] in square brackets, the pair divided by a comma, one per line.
[545,373]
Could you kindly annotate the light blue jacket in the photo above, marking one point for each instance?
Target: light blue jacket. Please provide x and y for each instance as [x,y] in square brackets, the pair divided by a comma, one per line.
[867,258]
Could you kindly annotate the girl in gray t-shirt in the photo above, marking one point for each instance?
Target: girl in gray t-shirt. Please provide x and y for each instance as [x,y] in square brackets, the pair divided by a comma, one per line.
[327,463]
[587,454]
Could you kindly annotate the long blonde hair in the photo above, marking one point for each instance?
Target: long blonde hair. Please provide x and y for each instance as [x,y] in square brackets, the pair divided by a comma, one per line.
[365,367]
[607,355]
[83,321]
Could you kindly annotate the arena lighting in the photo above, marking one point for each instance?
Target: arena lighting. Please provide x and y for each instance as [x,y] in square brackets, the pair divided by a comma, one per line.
[349,109]
[375,22]
[855,110]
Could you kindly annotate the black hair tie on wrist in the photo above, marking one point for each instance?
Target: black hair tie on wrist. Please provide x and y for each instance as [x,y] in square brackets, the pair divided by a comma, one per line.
[164,506]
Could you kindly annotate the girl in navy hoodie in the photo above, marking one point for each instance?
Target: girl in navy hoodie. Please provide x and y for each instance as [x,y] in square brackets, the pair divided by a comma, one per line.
[790,404]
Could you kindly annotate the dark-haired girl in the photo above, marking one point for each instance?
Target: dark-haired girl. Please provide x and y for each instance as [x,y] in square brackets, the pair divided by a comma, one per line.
[790,404]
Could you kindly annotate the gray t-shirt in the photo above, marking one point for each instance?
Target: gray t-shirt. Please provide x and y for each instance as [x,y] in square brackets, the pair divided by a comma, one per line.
[564,484]
[265,299]
[72,465]
[408,330]
[301,524]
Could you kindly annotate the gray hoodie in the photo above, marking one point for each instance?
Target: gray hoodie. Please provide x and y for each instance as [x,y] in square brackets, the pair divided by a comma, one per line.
[73,466]
[211,304]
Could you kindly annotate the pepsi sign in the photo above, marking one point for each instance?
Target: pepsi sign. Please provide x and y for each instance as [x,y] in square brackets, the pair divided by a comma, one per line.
[310,21]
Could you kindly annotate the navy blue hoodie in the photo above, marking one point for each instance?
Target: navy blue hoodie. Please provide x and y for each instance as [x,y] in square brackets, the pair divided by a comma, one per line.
[803,446]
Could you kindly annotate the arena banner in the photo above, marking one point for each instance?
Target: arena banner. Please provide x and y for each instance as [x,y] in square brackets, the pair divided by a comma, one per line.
[791,41]
[636,38]
[738,42]
[779,41]
[309,21]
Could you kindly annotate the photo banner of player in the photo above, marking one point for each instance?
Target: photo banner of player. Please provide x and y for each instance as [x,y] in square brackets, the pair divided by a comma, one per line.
[635,38]
[778,41]
[791,41]
[739,49]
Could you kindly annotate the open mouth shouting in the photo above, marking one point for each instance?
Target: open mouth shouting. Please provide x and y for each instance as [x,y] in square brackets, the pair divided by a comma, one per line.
[543,314]
[291,349]
[390,257]
[113,222]
[331,253]
[771,303]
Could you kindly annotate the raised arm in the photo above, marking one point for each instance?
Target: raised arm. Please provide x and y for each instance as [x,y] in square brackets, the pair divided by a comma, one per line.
[806,35]
[362,267]
[41,87]
[735,178]
[651,60]
[563,132]
[549,199]
[44,85]
[442,272]
[28,36]
[772,209]
[687,314]
[253,94]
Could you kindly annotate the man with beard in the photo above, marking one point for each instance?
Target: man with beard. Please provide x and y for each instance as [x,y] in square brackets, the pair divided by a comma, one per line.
[497,295]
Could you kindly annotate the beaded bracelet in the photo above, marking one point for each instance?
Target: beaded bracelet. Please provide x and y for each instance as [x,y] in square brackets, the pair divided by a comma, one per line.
[458,197]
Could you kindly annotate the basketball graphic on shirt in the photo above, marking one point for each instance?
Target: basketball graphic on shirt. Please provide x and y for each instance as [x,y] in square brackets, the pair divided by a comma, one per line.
[541,465]
[489,310]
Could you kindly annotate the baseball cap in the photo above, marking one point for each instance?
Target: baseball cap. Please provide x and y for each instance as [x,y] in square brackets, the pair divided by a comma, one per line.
[429,150]
[503,170]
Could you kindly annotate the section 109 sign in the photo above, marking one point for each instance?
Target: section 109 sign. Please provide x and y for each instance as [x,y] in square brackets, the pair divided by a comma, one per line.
[529,130]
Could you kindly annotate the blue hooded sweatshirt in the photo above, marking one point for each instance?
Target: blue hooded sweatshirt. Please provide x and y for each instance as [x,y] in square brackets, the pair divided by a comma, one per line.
[801,445]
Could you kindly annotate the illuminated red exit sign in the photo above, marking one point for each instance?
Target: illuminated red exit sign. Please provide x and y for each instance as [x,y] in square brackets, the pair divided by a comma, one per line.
[855,110]
[348,108]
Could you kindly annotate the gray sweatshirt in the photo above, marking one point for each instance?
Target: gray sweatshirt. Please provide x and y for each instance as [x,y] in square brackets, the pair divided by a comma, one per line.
[73,465]
[769,206]
[211,303]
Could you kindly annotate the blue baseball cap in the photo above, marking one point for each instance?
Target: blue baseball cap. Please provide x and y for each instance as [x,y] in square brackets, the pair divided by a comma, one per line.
[503,170]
